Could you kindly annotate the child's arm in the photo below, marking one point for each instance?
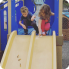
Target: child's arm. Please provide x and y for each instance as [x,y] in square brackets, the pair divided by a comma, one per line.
[52,13]
[39,26]
[22,25]
[33,17]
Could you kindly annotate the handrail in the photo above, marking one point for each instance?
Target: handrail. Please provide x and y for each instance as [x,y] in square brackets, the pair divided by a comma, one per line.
[30,52]
[4,4]
[7,50]
[54,58]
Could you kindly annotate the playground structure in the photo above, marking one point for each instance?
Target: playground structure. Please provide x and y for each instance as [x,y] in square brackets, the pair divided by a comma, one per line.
[56,24]
[65,26]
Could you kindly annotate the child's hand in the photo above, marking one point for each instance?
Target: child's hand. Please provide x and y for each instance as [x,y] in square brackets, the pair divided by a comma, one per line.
[33,17]
[52,13]
[24,26]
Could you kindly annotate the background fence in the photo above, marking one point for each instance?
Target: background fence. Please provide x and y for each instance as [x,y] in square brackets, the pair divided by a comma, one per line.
[65,26]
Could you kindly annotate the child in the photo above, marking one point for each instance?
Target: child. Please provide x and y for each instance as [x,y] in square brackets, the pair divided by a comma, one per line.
[44,21]
[28,19]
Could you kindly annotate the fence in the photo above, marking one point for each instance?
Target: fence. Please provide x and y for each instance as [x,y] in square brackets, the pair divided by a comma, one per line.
[65,26]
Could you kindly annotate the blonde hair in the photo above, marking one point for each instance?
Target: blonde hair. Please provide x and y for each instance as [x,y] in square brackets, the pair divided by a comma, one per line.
[24,9]
[45,9]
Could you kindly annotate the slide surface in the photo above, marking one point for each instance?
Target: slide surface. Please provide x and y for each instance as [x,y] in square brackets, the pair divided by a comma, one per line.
[18,53]
[42,53]
[29,52]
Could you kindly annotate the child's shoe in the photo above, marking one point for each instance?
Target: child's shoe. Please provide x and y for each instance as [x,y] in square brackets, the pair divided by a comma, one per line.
[36,33]
[43,33]
[25,33]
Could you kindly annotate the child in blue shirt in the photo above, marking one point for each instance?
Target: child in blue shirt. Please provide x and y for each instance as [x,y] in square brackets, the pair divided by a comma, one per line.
[28,19]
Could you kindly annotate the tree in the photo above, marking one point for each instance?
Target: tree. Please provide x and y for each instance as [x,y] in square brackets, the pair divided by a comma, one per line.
[65,3]
[4,0]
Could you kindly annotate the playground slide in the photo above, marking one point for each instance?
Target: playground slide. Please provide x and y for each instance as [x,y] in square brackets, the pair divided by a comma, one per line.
[30,52]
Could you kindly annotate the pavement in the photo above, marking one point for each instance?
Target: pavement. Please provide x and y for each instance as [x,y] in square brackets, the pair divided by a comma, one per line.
[65,54]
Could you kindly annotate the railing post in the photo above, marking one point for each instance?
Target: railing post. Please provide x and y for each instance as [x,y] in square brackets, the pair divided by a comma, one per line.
[9,17]
[12,25]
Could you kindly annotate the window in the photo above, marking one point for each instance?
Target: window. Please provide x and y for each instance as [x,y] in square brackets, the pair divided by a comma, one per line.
[5,20]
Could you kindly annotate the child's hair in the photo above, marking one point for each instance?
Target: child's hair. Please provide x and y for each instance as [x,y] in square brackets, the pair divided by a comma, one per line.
[24,9]
[45,9]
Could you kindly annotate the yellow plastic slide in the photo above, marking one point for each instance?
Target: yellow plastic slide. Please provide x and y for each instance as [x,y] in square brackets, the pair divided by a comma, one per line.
[30,52]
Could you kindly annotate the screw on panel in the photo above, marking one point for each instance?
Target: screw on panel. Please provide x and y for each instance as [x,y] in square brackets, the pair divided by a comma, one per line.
[20,64]
[18,56]
[19,59]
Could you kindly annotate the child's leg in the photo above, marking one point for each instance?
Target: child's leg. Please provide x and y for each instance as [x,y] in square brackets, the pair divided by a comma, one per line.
[33,23]
[43,27]
[47,26]
[45,32]
[26,24]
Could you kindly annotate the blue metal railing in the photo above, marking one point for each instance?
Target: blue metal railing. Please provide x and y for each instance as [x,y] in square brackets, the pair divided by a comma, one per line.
[3,4]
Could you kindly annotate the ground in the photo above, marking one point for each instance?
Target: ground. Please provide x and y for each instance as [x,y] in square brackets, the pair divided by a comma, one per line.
[65,54]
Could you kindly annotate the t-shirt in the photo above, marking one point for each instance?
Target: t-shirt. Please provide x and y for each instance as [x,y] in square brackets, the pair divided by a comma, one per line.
[28,17]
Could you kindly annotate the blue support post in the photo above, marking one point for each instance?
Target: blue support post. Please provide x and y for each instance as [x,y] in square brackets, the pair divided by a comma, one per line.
[0,28]
[55,26]
[14,25]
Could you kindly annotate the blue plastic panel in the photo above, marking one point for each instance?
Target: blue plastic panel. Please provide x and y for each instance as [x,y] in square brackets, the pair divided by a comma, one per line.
[3,32]
[18,13]
[0,28]
[54,5]
[30,5]
[51,4]
[55,26]
[14,25]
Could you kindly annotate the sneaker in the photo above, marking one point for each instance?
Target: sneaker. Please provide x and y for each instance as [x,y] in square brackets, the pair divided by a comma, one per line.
[36,33]
[25,33]
[44,34]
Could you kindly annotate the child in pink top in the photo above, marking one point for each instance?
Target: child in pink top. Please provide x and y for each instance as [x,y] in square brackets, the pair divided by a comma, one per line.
[44,21]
